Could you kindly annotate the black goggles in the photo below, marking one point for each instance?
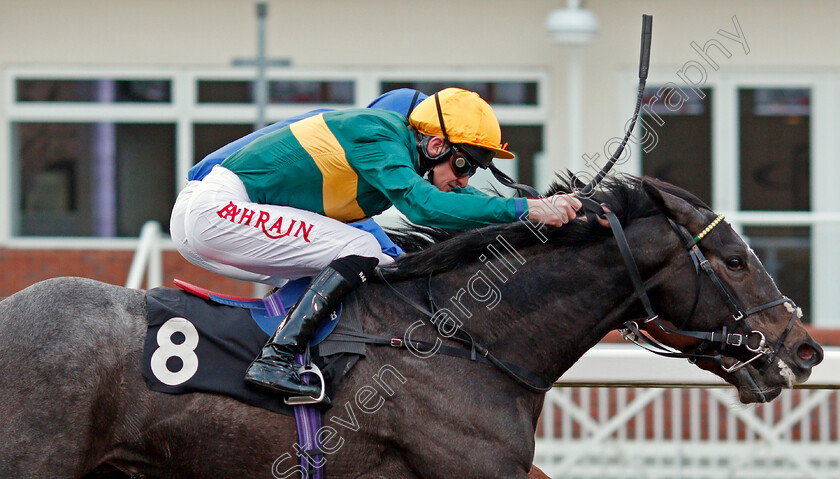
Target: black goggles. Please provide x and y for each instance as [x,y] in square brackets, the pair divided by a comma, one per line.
[466,159]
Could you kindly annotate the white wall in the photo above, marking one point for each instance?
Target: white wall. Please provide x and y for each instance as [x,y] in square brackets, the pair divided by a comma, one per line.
[433,34]
[784,38]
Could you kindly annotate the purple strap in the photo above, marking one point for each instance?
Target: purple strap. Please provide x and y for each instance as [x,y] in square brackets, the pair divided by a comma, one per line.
[274,305]
[308,423]
[307,417]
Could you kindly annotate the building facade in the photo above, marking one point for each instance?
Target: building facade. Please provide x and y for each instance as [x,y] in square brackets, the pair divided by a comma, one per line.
[106,105]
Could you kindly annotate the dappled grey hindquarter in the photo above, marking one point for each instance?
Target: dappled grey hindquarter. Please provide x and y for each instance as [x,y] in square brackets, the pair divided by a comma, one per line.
[73,400]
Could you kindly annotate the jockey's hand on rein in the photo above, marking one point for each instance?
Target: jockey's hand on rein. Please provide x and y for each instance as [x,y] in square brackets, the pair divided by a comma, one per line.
[556,210]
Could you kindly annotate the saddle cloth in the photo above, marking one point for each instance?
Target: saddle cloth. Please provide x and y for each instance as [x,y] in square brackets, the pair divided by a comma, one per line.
[199,345]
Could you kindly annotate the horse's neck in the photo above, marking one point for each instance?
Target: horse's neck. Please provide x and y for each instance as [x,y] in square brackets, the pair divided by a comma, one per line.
[554,307]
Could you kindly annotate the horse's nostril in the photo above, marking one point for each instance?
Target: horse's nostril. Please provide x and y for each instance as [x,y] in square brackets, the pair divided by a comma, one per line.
[808,354]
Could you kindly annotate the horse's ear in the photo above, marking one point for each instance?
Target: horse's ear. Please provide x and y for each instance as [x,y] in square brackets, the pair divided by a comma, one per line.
[674,207]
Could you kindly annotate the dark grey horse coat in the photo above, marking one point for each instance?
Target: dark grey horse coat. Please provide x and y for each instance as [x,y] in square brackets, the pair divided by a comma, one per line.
[72,399]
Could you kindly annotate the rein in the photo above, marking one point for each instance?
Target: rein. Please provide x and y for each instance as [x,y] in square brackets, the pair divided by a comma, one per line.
[754,341]
[476,352]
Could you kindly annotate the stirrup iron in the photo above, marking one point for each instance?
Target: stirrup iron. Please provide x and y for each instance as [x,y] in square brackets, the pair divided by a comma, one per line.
[301,400]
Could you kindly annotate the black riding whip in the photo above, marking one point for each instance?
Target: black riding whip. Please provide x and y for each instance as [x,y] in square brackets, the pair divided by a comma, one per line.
[644,63]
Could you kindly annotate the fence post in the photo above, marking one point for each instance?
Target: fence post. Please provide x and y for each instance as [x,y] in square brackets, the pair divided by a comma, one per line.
[148,255]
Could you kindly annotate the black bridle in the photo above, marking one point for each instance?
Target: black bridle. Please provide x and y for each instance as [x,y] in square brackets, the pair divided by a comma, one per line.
[754,341]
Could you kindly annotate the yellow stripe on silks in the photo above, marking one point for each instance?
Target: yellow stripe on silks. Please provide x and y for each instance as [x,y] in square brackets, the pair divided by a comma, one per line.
[340,180]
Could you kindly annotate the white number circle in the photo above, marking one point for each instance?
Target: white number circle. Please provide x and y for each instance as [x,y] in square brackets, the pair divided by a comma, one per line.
[167,349]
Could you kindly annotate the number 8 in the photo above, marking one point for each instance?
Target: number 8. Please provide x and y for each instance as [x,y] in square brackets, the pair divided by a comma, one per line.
[167,349]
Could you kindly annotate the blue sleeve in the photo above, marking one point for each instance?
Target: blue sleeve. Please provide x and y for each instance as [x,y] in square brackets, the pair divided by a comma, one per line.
[388,247]
[203,167]
[521,206]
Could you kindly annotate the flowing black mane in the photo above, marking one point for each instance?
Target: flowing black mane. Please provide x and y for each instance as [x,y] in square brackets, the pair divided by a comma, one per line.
[432,250]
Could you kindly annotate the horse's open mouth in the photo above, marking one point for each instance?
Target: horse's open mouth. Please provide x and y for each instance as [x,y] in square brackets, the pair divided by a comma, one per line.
[750,388]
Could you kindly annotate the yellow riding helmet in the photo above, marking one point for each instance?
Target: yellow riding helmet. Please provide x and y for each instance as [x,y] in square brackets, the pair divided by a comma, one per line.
[466,117]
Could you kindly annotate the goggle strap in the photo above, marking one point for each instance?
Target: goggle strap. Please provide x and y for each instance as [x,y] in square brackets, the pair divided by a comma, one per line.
[440,118]
[526,191]
[413,102]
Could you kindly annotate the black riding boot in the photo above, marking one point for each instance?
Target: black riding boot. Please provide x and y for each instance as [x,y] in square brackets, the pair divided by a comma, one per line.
[275,369]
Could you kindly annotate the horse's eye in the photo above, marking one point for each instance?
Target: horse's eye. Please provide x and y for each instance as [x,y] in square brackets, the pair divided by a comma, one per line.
[734,263]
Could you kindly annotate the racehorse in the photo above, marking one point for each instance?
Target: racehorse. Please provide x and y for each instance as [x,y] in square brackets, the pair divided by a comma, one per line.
[73,401]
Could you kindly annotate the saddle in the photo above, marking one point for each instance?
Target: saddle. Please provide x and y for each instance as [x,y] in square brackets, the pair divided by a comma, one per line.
[202,341]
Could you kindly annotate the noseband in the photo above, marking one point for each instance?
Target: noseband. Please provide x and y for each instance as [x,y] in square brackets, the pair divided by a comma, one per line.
[753,341]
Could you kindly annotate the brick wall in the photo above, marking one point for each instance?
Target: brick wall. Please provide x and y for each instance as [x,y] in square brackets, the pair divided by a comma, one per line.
[21,268]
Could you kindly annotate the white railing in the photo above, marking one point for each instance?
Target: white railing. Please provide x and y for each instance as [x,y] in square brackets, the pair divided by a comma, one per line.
[147,256]
[624,413]
[781,218]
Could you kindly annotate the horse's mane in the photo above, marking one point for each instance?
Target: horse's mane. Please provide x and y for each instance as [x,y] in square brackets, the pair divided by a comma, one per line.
[433,250]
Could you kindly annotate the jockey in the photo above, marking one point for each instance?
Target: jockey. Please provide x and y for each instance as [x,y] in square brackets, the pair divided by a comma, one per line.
[401,100]
[279,207]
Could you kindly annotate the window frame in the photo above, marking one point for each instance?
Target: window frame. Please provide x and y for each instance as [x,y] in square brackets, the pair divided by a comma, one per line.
[184,111]
[824,216]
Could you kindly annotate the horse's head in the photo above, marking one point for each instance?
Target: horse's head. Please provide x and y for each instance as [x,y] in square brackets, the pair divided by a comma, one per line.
[719,286]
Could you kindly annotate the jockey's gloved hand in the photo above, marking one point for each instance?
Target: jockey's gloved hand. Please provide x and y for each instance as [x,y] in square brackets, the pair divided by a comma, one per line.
[556,210]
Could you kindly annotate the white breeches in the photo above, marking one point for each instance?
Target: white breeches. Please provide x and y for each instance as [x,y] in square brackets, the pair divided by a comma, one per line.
[216,226]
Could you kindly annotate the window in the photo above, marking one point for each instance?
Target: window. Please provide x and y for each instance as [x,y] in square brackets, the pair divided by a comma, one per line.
[93,91]
[242,91]
[208,138]
[774,127]
[682,153]
[96,156]
[775,148]
[93,179]
[526,141]
[750,157]
[785,253]
[495,93]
